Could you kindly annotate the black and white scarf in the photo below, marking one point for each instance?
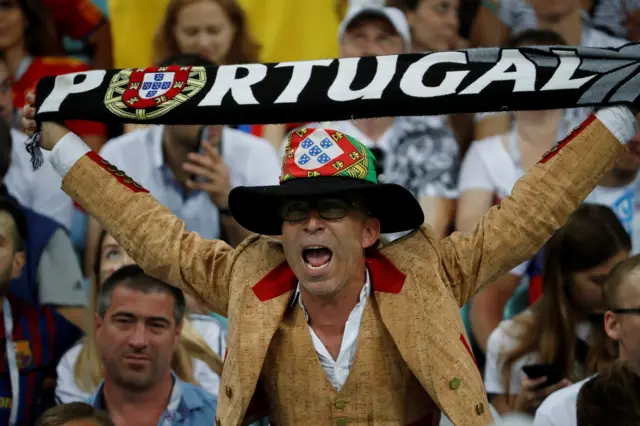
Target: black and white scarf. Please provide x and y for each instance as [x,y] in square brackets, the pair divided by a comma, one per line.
[463,81]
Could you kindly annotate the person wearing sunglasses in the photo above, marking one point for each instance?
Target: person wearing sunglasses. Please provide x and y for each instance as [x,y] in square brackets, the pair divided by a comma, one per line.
[314,284]
[622,326]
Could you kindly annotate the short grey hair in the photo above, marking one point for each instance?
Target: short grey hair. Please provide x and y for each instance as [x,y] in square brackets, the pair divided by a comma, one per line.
[133,277]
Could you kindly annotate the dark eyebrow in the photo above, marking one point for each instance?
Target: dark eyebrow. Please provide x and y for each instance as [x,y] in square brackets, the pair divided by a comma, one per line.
[129,315]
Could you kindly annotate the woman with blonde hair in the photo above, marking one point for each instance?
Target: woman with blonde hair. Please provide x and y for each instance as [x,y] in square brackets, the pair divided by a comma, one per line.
[215,29]
[197,359]
[563,328]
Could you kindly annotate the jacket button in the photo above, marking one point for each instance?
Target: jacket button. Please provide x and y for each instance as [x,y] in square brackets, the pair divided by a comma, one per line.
[128,180]
[455,383]
[120,173]
[112,168]
[480,409]
[342,421]
[229,392]
[339,404]
[105,162]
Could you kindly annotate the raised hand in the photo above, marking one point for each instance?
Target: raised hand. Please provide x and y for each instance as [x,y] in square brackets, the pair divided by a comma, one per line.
[51,132]
[213,172]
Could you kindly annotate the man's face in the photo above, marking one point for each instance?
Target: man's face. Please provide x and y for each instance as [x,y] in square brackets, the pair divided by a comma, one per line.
[326,253]
[554,10]
[11,262]
[137,337]
[6,95]
[190,135]
[625,327]
[371,36]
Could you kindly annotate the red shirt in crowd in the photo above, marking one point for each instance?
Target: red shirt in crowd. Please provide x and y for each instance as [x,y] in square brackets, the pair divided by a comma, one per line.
[77,19]
[52,66]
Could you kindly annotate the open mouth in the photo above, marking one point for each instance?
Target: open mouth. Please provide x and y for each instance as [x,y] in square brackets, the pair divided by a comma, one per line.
[316,257]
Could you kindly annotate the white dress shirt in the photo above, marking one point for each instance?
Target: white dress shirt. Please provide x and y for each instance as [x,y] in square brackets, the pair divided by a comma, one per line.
[337,370]
[252,161]
[38,190]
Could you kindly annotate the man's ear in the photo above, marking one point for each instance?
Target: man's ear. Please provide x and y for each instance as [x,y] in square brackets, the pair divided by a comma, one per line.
[370,232]
[612,326]
[97,322]
[19,259]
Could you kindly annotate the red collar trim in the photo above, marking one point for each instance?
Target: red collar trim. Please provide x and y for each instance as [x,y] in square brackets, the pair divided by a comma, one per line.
[385,278]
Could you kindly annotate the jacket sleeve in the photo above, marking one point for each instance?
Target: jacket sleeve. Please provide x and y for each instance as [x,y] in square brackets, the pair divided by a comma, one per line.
[540,203]
[153,236]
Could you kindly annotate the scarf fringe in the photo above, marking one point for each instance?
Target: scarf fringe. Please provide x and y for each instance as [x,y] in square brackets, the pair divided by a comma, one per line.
[33,148]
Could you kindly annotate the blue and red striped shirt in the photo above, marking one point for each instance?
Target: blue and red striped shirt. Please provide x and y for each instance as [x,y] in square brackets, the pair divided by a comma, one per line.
[41,336]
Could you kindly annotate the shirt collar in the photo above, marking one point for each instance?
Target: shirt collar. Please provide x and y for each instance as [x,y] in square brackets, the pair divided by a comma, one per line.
[157,151]
[181,398]
[364,293]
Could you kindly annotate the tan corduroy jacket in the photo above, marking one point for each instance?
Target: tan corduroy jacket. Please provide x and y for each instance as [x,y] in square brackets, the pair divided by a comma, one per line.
[419,282]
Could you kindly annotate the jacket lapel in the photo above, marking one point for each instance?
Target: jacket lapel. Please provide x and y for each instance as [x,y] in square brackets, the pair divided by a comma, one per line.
[426,329]
[260,308]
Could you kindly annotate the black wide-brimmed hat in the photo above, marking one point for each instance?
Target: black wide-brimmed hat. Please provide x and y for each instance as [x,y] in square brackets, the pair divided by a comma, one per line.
[324,163]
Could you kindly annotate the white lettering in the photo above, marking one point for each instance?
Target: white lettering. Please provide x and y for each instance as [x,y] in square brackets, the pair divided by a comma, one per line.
[561,78]
[524,75]
[341,90]
[64,86]
[240,87]
[299,78]
[412,81]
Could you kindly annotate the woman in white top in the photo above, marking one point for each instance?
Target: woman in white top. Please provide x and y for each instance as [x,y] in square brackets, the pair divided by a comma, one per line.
[197,359]
[556,329]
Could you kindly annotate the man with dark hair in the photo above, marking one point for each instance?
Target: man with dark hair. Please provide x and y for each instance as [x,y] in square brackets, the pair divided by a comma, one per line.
[74,414]
[191,169]
[610,399]
[138,324]
[51,275]
[34,337]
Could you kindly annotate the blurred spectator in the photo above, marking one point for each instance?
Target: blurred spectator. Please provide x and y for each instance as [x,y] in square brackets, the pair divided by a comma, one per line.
[419,153]
[434,24]
[564,327]
[610,399]
[197,359]
[38,190]
[191,170]
[620,17]
[565,18]
[498,19]
[622,298]
[137,326]
[35,337]
[74,414]
[28,42]
[214,29]
[52,275]
[217,30]
[83,21]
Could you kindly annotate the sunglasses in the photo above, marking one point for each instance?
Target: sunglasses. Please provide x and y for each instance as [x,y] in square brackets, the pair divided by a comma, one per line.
[635,311]
[327,208]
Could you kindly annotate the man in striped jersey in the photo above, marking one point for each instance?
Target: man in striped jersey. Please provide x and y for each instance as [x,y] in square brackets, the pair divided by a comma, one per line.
[34,337]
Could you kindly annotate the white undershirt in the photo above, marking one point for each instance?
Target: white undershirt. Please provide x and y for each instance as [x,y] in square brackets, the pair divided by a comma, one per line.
[338,370]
